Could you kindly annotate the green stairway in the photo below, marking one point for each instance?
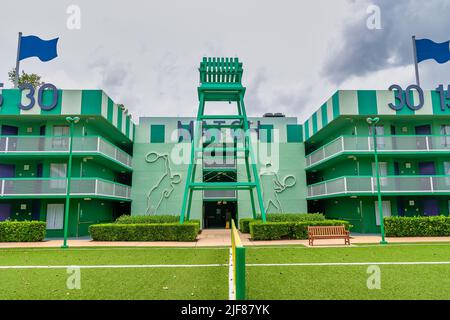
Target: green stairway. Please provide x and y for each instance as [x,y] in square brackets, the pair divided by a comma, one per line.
[221,80]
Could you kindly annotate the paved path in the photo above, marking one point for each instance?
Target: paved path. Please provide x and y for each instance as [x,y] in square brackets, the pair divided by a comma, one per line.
[218,238]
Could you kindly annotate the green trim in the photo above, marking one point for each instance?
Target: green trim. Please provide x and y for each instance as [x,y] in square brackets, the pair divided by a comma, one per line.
[109,114]
[157,133]
[307,135]
[336,105]
[367,102]
[294,133]
[314,123]
[91,102]
[324,111]
[11,98]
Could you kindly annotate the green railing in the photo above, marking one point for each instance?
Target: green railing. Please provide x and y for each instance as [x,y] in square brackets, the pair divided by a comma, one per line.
[60,145]
[385,144]
[365,185]
[56,187]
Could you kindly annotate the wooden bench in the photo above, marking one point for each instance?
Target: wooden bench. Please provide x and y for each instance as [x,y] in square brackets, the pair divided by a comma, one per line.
[328,232]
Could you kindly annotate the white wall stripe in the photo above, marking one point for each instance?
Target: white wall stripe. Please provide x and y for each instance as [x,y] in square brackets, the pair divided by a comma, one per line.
[71,102]
[104,105]
[330,110]
[348,102]
[319,119]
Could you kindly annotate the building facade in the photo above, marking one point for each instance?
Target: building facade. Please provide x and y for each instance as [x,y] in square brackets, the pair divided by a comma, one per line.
[414,155]
[323,165]
[34,149]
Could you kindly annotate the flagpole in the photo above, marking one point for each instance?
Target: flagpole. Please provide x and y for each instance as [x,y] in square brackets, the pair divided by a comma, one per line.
[416,64]
[16,78]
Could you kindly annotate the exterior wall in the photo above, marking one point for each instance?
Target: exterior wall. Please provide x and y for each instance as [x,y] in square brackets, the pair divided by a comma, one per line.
[348,111]
[99,116]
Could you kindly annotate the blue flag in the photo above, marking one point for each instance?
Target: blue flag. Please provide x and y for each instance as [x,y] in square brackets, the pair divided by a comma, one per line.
[32,46]
[427,49]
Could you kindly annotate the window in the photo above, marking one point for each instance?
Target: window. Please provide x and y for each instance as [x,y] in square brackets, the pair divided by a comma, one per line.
[382,170]
[445,131]
[60,137]
[381,144]
[58,170]
[157,133]
[386,207]
[55,216]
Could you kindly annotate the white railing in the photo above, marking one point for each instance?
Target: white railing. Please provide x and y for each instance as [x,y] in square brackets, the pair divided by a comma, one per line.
[219,194]
[385,144]
[55,144]
[388,185]
[54,187]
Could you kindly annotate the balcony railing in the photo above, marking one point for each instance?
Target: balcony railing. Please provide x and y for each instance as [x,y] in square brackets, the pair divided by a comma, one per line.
[57,187]
[385,144]
[392,185]
[60,145]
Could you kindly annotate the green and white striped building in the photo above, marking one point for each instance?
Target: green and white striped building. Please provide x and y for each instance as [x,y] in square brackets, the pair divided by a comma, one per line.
[322,165]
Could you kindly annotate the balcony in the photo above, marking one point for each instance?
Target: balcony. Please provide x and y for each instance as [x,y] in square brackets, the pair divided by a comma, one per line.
[57,187]
[389,185]
[54,145]
[397,144]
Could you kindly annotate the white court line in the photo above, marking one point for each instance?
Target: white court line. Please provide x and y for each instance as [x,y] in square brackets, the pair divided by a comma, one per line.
[119,266]
[228,265]
[346,264]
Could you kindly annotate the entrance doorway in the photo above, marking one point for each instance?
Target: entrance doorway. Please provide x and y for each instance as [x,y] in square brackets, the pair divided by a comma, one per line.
[217,213]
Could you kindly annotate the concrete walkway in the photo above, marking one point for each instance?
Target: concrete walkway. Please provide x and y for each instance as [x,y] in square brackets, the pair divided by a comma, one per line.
[218,238]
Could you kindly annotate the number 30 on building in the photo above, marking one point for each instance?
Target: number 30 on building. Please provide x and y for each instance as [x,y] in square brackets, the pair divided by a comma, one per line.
[40,97]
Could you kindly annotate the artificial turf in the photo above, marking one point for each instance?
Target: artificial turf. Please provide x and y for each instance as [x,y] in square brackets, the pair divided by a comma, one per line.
[348,282]
[211,282]
[120,283]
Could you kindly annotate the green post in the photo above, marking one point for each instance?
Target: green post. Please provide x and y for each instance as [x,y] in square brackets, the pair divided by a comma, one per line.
[373,122]
[240,273]
[71,122]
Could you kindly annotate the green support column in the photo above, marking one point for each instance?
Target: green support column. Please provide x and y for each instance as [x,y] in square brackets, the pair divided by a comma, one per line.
[220,80]
[373,122]
[71,122]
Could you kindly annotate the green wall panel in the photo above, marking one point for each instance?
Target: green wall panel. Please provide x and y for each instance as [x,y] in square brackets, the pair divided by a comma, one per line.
[91,102]
[323,110]
[294,133]
[157,133]
[367,102]
[11,99]
[336,106]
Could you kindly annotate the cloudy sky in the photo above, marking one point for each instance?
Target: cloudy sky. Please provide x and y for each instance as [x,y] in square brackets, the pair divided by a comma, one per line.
[296,53]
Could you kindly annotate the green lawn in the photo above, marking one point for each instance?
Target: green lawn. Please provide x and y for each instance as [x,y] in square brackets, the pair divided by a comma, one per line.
[348,282]
[108,283]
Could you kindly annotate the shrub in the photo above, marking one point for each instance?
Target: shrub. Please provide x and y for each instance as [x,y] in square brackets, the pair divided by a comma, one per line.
[288,230]
[22,231]
[271,230]
[285,217]
[145,232]
[281,217]
[417,226]
[148,219]
[244,224]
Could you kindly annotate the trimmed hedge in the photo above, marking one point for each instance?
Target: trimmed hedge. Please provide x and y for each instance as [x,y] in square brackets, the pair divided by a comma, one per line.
[288,230]
[22,231]
[417,226]
[148,219]
[145,232]
[281,217]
